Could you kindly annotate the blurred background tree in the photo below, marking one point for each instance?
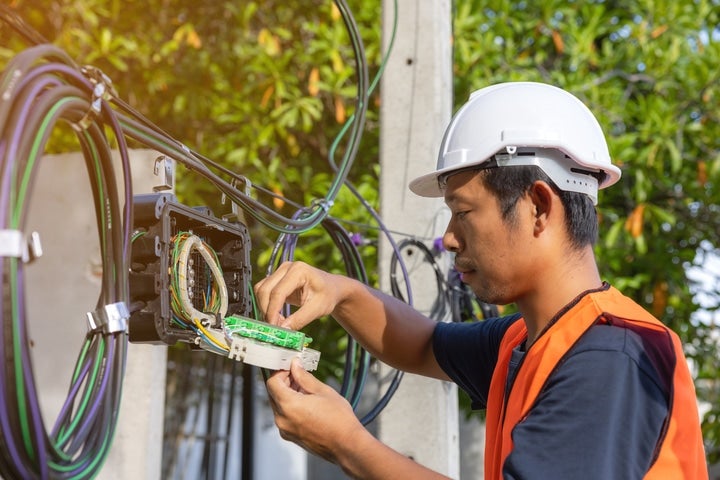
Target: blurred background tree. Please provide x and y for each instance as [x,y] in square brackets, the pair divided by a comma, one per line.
[264,87]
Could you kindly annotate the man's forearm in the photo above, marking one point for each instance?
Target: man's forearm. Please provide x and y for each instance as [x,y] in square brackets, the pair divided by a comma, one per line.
[366,458]
[388,328]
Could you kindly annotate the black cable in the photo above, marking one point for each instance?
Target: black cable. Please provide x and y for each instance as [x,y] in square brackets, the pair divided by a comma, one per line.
[40,88]
[439,308]
[17,23]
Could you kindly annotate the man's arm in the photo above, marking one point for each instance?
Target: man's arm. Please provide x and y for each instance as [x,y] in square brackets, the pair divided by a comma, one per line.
[314,416]
[388,328]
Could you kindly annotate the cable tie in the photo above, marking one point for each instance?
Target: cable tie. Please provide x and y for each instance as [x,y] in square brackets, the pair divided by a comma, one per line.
[325,204]
[98,77]
[13,243]
[111,318]
[102,90]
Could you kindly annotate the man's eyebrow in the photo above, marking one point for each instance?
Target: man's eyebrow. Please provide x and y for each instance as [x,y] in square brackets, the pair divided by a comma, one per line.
[453,198]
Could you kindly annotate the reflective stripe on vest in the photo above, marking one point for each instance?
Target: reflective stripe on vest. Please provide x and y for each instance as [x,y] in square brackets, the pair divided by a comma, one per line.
[681,454]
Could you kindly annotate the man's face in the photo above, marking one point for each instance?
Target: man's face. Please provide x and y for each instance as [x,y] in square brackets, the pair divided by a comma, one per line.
[490,253]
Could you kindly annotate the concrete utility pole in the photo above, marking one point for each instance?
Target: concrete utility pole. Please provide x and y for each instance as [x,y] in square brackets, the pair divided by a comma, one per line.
[421,421]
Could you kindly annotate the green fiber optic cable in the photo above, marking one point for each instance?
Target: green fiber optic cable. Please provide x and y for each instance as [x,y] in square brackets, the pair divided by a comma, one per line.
[34,154]
[65,433]
[100,456]
[17,363]
[14,221]
[78,368]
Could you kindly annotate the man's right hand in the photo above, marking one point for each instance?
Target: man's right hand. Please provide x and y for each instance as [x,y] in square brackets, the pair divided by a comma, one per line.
[316,292]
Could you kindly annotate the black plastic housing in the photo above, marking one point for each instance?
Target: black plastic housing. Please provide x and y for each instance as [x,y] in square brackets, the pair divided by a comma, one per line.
[157,218]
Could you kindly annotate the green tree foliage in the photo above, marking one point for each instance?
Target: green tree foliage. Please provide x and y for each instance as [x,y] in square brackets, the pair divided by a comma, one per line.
[262,87]
[265,86]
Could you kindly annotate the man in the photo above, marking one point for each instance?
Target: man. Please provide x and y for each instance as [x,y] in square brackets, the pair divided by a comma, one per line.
[582,383]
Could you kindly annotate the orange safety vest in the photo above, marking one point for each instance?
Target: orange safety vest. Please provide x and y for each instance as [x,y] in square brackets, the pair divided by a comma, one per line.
[681,454]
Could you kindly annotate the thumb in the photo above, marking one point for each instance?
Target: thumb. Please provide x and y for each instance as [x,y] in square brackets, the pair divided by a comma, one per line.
[303,379]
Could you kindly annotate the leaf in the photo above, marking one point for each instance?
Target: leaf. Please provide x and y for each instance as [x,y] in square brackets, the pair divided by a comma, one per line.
[702,172]
[269,42]
[337,62]
[675,156]
[641,244]
[334,12]
[278,202]
[267,95]
[313,80]
[558,42]
[634,223]
[340,115]
[657,31]
[660,298]
[613,233]
[192,38]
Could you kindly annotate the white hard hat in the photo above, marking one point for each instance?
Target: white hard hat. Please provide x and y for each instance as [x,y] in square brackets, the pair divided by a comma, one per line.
[526,123]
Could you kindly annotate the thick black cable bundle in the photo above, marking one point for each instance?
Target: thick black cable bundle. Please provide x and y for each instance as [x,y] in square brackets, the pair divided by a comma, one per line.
[39,88]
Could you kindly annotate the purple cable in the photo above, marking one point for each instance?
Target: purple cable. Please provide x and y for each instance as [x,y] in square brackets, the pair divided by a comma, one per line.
[29,380]
[110,358]
[5,184]
[17,133]
[37,87]
[70,400]
[4,419]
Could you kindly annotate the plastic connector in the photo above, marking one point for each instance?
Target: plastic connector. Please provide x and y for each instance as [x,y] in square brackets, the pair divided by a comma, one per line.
[265,355]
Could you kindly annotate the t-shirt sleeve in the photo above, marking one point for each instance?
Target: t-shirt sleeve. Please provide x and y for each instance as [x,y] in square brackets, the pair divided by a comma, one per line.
[468,352]
[600,416]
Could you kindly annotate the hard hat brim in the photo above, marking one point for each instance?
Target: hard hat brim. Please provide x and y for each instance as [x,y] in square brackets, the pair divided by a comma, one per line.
[428,185]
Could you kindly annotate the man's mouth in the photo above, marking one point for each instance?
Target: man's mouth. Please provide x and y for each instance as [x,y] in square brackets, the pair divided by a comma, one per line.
[463,267]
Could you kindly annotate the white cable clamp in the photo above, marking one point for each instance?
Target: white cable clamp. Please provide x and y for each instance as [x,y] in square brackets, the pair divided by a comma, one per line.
[111,318]
[235,209]
[326,205]
[102,90]
[13,243]
[165,170]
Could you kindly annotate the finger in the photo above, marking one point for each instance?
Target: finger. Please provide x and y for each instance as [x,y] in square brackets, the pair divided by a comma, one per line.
[287,289]
[263,291]
[277,385]
[306,382]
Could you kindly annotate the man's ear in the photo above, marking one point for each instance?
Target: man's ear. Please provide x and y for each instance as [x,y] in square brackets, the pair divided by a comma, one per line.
[545,202]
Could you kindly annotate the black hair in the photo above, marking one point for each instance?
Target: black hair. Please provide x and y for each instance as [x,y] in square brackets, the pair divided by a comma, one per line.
[511,183]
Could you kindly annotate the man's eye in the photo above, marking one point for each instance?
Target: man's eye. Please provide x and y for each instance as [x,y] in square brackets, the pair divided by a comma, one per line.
[460,215]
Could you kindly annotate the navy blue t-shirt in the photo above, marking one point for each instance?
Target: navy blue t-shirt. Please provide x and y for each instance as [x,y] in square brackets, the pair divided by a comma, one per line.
[600,416]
